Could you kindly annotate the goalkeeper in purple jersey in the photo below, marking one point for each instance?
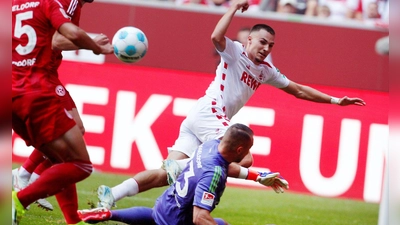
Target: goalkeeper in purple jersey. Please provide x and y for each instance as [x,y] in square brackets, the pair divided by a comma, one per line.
[197,190]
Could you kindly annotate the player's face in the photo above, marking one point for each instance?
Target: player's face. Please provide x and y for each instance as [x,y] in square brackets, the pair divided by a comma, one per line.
[260,45]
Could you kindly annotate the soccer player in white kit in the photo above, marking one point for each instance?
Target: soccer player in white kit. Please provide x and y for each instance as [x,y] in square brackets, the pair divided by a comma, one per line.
[240,73]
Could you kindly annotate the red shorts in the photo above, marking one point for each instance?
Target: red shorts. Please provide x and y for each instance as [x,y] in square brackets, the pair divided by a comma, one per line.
[39,117]
[68,102]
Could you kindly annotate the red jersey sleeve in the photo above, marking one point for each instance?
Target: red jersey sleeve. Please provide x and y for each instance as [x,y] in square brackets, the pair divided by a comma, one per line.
[63,11]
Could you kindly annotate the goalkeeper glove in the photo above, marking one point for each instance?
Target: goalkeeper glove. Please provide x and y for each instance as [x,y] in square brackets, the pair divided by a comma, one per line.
[280,184]
[267,178]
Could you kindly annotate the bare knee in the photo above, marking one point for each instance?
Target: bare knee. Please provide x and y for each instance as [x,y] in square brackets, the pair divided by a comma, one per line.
[67,148]
[175,155]
[149,179]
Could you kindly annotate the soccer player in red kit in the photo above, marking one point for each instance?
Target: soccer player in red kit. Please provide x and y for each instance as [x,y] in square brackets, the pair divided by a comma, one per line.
[39,114]
[36,163]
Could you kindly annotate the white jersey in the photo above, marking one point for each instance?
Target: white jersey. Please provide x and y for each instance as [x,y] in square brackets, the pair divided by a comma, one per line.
[237,78]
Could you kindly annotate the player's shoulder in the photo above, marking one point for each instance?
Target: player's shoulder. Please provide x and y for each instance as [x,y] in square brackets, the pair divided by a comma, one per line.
[267,65]
[211,143]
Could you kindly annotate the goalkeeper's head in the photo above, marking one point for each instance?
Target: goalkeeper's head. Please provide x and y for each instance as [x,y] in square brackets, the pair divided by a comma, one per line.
[236,143]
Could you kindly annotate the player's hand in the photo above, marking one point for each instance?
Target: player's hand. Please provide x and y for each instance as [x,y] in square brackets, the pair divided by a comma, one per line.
[243,5]
[101,39]
[280,184]
[351,101]
[267,178]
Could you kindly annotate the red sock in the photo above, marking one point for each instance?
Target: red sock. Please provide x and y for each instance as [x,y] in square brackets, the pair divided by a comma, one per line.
[68,201]
[43,166]
[33,161]
[53,180]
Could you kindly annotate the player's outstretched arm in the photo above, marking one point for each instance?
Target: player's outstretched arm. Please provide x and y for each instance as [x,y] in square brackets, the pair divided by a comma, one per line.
[308,93]
[218,35]
[80,38]
[350,101]
[269,179]
[59,42]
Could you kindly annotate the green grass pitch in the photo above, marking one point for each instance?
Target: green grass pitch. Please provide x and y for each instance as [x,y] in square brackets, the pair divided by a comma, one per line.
[237,206]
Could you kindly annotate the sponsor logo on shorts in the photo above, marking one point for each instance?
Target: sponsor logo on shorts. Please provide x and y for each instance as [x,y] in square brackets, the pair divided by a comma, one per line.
[60,91]
[207,199]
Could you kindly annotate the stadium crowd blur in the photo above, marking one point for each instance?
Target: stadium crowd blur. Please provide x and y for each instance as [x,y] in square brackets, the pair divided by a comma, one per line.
[370,12]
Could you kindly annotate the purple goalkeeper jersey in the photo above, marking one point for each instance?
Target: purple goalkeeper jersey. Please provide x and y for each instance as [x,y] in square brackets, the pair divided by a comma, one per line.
[200,184]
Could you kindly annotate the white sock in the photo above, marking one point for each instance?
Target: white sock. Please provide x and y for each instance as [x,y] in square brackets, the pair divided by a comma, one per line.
[127,188]
[24,174]
[34,177]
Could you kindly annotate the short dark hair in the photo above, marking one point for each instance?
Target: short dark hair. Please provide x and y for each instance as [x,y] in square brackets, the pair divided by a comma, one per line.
[258,27]
[238,134]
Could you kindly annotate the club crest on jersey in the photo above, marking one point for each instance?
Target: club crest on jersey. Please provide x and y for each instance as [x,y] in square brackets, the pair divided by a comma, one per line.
[60,91]
[207,199]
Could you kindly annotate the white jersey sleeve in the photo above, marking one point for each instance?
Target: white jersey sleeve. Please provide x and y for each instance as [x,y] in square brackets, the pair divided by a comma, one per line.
[232,51]
[276,78]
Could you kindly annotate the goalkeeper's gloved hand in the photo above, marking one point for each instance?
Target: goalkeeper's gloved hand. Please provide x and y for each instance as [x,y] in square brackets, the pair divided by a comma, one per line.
[267,178]
[280,184]
[273,180]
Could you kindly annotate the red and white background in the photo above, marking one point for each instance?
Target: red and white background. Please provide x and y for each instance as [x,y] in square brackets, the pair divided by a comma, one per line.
[132,113]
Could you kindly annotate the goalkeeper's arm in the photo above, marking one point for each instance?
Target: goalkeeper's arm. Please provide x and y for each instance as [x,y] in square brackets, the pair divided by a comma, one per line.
[269,179]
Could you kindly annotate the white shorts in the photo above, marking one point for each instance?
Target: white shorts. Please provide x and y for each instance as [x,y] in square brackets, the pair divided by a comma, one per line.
[205,121]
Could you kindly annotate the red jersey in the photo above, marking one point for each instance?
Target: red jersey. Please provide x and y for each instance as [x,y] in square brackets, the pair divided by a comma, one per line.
[33,26]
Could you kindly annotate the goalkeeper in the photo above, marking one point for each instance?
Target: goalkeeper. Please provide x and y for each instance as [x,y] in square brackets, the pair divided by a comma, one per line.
[197,189]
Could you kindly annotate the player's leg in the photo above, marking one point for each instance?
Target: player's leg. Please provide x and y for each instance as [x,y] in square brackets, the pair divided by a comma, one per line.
[67,200]
[141,182]
[208,121]
[37,163]
[149,179]
[49,119]
[33,166]
[75,168]
[22,175]
[42,203]
[133,215]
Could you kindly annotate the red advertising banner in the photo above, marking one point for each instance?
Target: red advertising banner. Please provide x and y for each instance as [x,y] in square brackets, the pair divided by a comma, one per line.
[309,50]
[133,113]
